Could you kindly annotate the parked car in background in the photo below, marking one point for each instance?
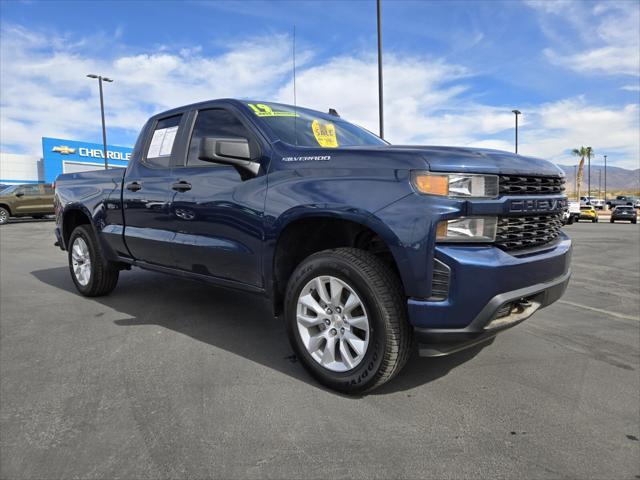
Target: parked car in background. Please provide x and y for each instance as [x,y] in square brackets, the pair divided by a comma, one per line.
[598,203]
[587,212]
[637,204]
[585,200]
[30,200]
[624,212]
[622,200]
[572,213]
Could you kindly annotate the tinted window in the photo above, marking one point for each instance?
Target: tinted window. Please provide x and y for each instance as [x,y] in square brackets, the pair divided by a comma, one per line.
[213,123]
[308,128]
[31,190]
[162,141]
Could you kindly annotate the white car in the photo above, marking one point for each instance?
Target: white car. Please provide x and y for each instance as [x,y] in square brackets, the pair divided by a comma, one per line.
[572,213]
[598,203]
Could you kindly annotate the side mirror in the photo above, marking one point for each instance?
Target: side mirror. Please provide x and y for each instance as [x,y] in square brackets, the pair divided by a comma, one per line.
[228,151]
[19,194]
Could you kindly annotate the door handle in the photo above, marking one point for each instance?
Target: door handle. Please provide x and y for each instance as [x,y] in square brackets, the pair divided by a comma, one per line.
[134,186]
[181,186]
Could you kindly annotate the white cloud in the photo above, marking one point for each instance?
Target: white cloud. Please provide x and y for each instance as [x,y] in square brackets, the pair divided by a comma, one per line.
[427,101]
[602,39]
[631,88]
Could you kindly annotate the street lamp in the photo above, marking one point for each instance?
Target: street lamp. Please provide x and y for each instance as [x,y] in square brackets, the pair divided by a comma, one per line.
[104,130]
[517,112]
[380,105]
[605,179]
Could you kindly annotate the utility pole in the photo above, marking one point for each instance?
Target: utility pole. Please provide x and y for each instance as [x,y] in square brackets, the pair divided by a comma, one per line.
[380,96]
[516,112]
[104,129]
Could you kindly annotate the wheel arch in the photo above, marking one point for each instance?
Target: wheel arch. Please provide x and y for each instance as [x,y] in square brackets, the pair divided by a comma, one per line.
[6,207]
[303,231]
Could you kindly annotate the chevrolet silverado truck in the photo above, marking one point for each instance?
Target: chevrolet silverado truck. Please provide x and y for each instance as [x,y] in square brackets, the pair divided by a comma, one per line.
[366,250]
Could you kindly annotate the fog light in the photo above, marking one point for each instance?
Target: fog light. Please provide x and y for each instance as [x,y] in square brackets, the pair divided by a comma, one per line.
[467,229]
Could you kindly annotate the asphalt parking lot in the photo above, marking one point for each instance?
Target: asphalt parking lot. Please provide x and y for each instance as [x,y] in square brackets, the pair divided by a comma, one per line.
[169,378]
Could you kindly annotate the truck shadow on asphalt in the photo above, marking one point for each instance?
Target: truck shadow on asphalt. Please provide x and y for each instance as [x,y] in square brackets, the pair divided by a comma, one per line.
[237,322]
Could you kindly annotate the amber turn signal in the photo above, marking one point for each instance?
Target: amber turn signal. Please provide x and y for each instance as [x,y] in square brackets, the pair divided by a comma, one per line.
[431,184]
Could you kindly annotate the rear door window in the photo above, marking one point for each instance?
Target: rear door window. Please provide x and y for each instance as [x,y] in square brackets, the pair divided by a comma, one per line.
[162,142]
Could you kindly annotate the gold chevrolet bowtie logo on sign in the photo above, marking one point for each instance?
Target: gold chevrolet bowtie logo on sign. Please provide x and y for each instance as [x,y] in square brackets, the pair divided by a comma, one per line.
[64,150]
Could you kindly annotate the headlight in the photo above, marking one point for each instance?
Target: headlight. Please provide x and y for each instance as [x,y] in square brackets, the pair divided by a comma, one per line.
[467,229]
[456,184]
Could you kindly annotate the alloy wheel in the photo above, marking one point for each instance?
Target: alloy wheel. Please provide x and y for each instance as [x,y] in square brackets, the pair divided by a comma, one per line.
[81,261]
[333,323]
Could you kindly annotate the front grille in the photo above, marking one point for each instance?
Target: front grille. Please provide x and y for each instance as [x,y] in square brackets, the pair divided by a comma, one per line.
[517,185]
[525,232]
[440,281]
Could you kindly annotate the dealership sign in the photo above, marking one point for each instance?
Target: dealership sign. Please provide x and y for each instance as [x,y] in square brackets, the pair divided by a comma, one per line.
[58,153]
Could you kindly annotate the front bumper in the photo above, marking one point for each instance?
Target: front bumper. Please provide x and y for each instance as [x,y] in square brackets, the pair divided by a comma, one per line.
[484,281]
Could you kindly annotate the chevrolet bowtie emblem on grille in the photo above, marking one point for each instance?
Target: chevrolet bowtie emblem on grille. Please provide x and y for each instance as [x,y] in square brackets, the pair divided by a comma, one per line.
[64,150]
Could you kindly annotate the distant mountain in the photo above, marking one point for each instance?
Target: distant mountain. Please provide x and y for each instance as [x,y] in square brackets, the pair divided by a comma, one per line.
[619,180]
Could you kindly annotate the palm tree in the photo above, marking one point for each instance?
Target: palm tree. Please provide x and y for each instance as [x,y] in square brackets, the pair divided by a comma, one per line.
[580,152]
[590,153]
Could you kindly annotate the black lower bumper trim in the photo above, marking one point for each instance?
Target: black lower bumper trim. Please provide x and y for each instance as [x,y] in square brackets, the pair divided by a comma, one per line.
[435,342]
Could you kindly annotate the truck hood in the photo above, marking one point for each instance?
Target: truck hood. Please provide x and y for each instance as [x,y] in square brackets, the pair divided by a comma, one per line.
[411,157]
[479,160]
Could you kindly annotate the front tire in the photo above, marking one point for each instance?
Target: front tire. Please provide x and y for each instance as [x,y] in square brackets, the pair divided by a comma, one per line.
[92,275]
[595,220]
[4,215]
[346,319]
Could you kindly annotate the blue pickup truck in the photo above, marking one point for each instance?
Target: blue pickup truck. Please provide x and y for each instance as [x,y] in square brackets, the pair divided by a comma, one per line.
[367,250]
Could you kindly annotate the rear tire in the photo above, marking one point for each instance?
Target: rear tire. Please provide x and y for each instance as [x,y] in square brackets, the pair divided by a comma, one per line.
[612,221]
[92,275]
[346,276]
[4,215]
[595,220]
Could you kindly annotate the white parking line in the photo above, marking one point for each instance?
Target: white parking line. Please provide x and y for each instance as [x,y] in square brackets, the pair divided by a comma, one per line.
[600,310]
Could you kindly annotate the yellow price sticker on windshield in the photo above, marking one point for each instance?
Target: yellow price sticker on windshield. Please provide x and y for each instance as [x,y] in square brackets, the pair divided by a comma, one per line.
[262,110]
[325,134]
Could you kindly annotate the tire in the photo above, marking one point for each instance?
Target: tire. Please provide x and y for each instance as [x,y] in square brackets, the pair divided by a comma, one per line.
[595,220]
[612,221]
[634,221]
[4,215]
[363,278]
[99,278]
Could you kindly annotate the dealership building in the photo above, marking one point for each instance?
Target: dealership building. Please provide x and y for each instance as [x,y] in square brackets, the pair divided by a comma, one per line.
[59,156]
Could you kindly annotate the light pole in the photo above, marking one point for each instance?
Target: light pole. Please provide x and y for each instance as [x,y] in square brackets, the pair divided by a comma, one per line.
[605,179]
[380,107]
[516,112]
[104,130]
[599,183]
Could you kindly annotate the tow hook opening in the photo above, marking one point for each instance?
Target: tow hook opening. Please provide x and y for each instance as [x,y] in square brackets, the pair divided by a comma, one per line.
[514,312]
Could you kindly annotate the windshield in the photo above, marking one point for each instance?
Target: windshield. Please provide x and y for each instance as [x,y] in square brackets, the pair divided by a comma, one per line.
[8,190]
[308,128]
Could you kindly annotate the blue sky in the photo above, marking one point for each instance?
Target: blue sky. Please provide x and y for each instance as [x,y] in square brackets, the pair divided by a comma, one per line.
[453,70]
